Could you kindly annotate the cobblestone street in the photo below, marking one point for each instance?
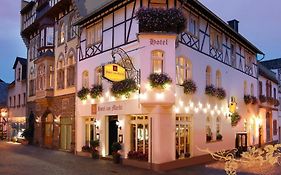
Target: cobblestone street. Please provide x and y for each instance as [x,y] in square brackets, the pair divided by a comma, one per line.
[16,159]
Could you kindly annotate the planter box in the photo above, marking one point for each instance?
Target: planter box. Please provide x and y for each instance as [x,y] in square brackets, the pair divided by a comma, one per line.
[84,154]
[136,163]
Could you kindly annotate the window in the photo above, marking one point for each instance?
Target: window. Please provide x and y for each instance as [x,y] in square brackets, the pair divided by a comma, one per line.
[158,4]
[193,25]
[218,79]
[139,133]
[218,125]
[71,70]
[183,69]
[274,127]
[42,38]
[24,99]
[215,38]
[252,89]
[94,34]
[183,124]
[31,88]
[98,75]
[209,134]
[14,105]
[19,74]
[50,36]
[245,88]
[10,101]
[274,93]
[90,130]
[61,33]
[41,77]
[157,61]
[233,54]
[268,89]
[71,28]
[19,100]
[51,77]
[60,72]
[85,79]
[260,88]
[208,76]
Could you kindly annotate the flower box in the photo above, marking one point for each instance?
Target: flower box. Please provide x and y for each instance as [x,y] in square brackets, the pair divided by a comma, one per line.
[83,93]
[124,87]
[189,87]
[159,80]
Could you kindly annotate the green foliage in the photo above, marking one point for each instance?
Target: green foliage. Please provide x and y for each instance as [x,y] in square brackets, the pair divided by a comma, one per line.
[124,87]
[82,94]
[159,80]
[189,87]
[210,90]
[96,91]
[235,118]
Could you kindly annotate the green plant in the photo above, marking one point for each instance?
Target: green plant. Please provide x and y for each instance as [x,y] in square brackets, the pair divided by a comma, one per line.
[158,19]
[95,143]
[276,103]
[116,147]
[94,148]
[86,149]
[28,134]
[96,91]
[262,98]
[270,100]
[208,138]
[159,80]
[210,90]
[82,94]
[220,93]
[235,118]
[124,87]
[219,136]
[189,87]
[247,99]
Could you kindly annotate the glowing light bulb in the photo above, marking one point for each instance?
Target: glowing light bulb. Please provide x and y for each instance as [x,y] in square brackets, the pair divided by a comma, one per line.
[196,110]
[177,110]
[212,112]
[200,105]
[181,103]
[186,109]
[84,102]
[113,98]
[107,94]
[123,97]
[205,110]
[101,99]
[148,87]
[191,104]
[216,107]
[167,86]
[88,96]
[159,96]
[208,106]
[92,101]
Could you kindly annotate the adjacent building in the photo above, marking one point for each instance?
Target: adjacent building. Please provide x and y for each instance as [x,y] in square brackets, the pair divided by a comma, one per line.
[50,37]
[3,109]
[166,126]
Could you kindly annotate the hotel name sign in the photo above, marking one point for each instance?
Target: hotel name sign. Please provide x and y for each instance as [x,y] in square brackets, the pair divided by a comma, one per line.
[114,72]
[107,108]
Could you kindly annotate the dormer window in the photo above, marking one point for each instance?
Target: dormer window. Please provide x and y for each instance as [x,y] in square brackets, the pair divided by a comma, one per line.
[19,74]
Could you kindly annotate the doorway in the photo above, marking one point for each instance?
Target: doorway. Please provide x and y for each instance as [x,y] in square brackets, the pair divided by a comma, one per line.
[66,133]
[268,126]
[49,128]
[241,143]
[112,132]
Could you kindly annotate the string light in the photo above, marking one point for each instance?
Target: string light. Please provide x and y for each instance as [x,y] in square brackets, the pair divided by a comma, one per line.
[159,96]
[92,101]
[186,109]
[181,103]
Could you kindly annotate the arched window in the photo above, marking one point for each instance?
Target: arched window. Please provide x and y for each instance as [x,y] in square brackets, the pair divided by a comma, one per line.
[208,76]
[245,88]
[98,75]
[71,27]
[252,89]
[41,77]
[85,79]
[61,33]
[184,69]
[71,69]
[60,72]
[157,61]
[218,79]
[209,134]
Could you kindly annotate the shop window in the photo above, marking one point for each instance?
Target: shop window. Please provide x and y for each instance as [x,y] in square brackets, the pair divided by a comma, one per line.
[208,76]
[215,38]
[157,61]
[85,79]
[94,34]
[184,69]
[90,130]
[183,124]
[98,75]
[218,79]
[139,133]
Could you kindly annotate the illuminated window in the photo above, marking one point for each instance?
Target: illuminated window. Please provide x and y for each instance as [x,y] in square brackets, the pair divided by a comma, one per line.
[208,76]
[233,54]
[98,75]
[85,79]
[70,70]
[252,89]
[41,77]
[218,79]
[183,124]
[215,38]
[61,33]
[72,29]
[157,61]
[90,130]
[209,134]
[94,34]
[184,69]
[60,72]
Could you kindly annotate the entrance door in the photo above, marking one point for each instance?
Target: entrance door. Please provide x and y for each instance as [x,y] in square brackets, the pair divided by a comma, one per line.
[49,128]
[241,143]
[65,134]
[268,127]
[112,132]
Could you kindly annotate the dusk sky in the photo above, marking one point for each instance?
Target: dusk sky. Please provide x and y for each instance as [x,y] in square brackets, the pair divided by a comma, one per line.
[259,23]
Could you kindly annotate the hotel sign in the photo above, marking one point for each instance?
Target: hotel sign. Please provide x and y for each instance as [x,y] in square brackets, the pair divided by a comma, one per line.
[114,72]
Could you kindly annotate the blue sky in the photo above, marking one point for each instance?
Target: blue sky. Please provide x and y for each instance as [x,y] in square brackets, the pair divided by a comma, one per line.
[259,23]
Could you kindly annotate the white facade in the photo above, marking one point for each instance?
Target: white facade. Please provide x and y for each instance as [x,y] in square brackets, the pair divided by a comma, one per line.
[161,111]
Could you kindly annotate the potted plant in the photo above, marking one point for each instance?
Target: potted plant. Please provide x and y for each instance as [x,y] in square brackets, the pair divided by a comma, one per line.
[219,136]
[235,118]
[254,100]
[82,94]
[247,99]
[124,87]
[208,137]
[96,91]
[116,147]
[86,149]
[28,136]
[220,93]
[262,98]
[189,87]
[159,80]
[161,20]
[210,90]
[94,148]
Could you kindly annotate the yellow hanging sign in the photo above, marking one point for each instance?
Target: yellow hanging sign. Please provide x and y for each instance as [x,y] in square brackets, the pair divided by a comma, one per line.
[114,72]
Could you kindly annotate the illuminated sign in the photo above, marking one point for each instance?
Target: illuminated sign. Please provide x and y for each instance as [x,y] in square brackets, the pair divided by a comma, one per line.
[114,72]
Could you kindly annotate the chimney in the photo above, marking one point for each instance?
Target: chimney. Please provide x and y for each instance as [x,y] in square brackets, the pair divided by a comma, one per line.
[233,24]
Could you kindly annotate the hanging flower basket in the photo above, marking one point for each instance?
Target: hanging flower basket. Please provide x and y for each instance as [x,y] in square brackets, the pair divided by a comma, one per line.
[262,98]
[159,19]
[157,80]
[124,87]
[96,91]
[247,99]
[220,93]
[82,94]
[189,87]
[210,90]
[254,100]
[277,103]
[235,118]
[270,100]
